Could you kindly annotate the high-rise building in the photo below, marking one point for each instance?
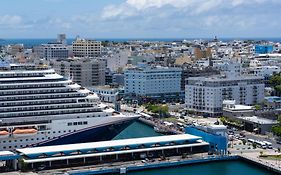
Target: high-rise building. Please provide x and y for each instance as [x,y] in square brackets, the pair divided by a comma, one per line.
[86,48]
[191,71]
[206,95]
[84,72]
[154,82]
[62,39]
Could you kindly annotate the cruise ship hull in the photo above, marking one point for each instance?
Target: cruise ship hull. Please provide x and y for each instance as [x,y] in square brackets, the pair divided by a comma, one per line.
[91,134]
[67,131]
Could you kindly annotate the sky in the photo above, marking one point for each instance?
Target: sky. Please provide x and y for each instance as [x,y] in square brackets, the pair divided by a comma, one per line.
[140,18]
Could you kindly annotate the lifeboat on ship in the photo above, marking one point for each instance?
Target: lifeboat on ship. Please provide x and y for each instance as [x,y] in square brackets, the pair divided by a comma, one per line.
[24,132]
[4,134]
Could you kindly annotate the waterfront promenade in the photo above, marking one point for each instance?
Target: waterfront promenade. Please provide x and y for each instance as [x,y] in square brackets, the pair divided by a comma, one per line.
[271,164]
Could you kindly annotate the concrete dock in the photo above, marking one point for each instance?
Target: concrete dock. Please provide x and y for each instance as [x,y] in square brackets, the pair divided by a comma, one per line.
[262,163]
[158,124]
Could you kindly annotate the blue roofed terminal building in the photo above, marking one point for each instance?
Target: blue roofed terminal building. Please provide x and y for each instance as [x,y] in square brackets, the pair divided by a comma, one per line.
[60,156]
[8,160]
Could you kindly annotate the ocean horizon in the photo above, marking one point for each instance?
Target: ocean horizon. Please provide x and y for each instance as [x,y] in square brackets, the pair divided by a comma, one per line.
[29,43]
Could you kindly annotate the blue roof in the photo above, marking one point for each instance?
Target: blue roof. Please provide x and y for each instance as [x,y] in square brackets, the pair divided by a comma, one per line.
[273,99]
[8,155]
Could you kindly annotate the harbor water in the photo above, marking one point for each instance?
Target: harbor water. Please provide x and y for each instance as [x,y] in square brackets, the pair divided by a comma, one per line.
[136,130]
[139,129]
[213,168]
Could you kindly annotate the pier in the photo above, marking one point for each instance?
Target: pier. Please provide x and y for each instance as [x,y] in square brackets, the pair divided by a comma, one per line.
[105,152]
[159,125]
[262,163]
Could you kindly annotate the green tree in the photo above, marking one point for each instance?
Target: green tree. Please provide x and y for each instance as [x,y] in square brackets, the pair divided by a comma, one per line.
[257,107]
[276,129]
[162,110]
[254,145]
[275,80]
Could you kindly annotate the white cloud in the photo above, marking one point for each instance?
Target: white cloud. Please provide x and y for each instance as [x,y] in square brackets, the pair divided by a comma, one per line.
[13,22]
[135,7]
[60,23]
[144,4]
[122,11]
[10,20]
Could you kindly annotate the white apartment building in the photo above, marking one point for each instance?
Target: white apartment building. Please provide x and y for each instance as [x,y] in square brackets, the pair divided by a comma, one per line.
[152,81]
[265,71]
[86,48]
[206,95]
[118,59]
[52,51]
[106,93]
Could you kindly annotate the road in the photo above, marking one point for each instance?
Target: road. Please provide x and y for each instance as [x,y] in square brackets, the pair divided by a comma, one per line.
[253,136]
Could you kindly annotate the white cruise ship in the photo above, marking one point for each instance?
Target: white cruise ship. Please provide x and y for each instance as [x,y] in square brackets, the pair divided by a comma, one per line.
[38,107]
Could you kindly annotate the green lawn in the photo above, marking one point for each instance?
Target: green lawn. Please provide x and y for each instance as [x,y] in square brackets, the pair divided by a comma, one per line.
[271,157]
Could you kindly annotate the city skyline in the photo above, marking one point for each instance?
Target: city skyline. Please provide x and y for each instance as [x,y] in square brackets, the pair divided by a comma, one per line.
[140,18]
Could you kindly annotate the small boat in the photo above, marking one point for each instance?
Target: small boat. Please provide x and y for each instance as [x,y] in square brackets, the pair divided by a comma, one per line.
[24,132]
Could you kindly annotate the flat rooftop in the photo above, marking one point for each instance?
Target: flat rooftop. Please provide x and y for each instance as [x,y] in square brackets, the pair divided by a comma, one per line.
[217,127]
[273,99]
[219,78]
[258,120]
[107,144]
[7,153]
[106,87]
[238,108]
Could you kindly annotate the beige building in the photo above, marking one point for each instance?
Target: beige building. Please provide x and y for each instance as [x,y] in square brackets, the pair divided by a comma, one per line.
[86,48]
[84,72]
[199,53]
[182,60]
[15,49]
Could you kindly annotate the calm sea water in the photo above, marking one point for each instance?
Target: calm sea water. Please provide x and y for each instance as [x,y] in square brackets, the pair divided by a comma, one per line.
[214,168]
[138,129]
[29,43]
